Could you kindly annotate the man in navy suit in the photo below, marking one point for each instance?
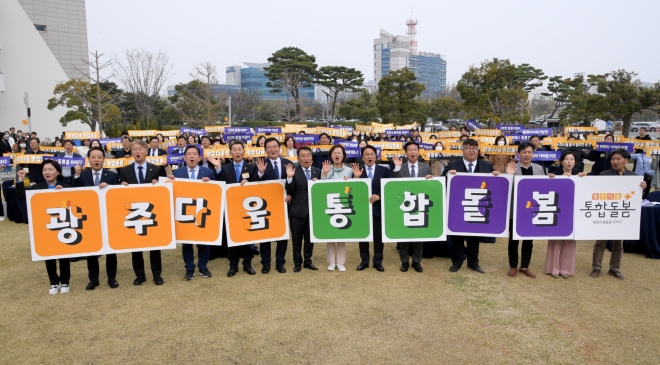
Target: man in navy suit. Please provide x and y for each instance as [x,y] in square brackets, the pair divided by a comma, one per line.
[68,172]
[97,176]
[143,172]
[238,172]
[375,173]
[470,164]
[274,168]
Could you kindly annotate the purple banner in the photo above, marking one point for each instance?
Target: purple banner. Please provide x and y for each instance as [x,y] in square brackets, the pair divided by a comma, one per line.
[541,132]
[519,137]
[510,128]
[105,141]
[472,124]
[426,146]
[544,156]
[347,144]
[357,152]
[344,127]
[611,146]
[200,132]
[175,158]
[544,208]
[68,161]
[5,161]
[276,130]
[306,138]
[238,130]
[397,132]
[478,205]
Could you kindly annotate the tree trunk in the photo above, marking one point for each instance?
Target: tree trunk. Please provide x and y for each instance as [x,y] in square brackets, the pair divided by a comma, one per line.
[626,125]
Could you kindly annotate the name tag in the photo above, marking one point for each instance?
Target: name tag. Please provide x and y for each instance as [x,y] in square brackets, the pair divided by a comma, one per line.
[246,175]
[26,169]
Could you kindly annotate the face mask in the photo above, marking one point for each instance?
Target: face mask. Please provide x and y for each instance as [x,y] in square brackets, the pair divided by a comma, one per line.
[500,143]
[355,140]
[22,145]
[438,148]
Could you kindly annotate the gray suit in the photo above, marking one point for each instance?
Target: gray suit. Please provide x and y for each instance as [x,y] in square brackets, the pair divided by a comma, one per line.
[536,169]
[418,247]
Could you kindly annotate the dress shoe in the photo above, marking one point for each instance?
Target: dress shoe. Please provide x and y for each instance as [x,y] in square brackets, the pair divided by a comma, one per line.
[310,266]
[159,281]
[280,269]
[113,284]
[476,268]
[556,276]
[454,268]
[249,270]
[232,271]
[616,274]
[265,269]
[138,281]
[564,276]
[513,272]
[362,266]
[404,266]
[92,285]
[417,266]
[296,268]
[379,267]
[595,273]
[527,273]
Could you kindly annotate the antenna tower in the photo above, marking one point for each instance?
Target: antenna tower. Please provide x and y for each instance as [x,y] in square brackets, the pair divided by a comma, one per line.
[411,33]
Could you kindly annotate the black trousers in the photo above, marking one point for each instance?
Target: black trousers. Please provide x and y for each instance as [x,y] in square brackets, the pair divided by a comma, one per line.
[110,267]
[234,254]
[459,250]
[300,232]
[378,244]
[525,251]
[65,271]
[280,252]
[154,260]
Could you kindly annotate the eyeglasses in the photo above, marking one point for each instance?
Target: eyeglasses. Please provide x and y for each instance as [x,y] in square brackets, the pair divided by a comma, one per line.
[470,148]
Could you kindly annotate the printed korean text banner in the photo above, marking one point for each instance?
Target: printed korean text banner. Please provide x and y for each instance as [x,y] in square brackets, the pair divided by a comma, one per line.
[543,207]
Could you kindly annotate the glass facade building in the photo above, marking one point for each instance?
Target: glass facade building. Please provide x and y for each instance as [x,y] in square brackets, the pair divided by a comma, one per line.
[431,71]
[253,79]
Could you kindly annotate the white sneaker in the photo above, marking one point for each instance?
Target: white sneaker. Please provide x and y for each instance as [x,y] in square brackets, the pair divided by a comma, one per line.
[54,289]
[341,267]
[331,267]
[64,289]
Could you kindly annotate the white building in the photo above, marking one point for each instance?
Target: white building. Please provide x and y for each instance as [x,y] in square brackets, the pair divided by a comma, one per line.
[390,53]
[233,75]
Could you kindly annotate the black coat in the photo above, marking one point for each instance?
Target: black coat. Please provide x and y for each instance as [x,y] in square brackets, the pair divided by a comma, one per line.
[87,178]
[299,205]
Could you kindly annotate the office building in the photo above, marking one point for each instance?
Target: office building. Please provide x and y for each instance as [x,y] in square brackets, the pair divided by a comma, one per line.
[253,79]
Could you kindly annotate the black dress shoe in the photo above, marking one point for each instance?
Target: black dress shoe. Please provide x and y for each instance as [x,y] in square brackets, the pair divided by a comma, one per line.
[454,268]
[476,268]
[92,285]
[113,284]
[280,269]
[296,268]
[362,266]
[310,266]
[265,269]
[232,271]
[138,281]
[158,280]
[404,266]
[417,266]
[379,267]
[249,270]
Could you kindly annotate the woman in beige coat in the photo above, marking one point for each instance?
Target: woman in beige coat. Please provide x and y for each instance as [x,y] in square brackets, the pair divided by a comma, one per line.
[500,161]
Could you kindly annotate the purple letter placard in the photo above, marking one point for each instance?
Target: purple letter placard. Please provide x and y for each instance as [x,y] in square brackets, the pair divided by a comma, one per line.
[543,208]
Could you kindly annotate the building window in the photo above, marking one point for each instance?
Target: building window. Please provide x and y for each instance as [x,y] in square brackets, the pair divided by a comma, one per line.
[40,28]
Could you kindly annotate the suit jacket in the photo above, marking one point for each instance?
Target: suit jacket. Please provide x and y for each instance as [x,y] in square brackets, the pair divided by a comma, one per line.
[423,168]
[482,166]
[73,170]
[184,173]
[87,178]
[271,174]
[536,169]
[613,172]
[299,205]
[380,172]
[34,173]
[160,152]
[228,173]
[128,174]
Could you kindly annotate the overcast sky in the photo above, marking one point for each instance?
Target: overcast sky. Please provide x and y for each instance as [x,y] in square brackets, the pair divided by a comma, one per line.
[560,37]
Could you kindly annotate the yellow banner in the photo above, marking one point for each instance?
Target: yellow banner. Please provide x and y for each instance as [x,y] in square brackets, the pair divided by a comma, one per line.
[601,138]
[113,146]
[387,145]
[487,132]
[442,154]
[362,128]
[332,132]
[172,133]
[82,135]
[443,134]
[387,154]
[217,152]
[558,145]
[569,129]
[113,163]
[498,150]
[145,133]
[215,129]
[27,159]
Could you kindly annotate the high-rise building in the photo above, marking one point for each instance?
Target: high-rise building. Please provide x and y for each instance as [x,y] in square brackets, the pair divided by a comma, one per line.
[392,53]
[253,79]
[233,75]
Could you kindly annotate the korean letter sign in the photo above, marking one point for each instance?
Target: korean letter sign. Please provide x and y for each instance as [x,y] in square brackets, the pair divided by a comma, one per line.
[339,210]
[543,207]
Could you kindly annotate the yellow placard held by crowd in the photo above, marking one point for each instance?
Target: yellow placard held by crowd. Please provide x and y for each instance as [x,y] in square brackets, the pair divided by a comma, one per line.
[387,145]
[144,133]
[389,154]
[487,132]
[82,135]
[560,145]
[215,129]
[112,146]
[22,159]
[171,133]
[571,129]
[217,152]
[498,150]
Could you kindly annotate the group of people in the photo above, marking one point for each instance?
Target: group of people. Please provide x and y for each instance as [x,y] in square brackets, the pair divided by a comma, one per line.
[560,258]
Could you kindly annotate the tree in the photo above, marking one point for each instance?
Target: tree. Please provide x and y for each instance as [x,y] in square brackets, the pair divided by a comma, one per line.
[246,105]
[338,79]
[362,108]
[205,73]
[445,108]
[398,97]
[143,74]
[290,70]
[194,105]
[497,90]
[101,94]
[80,97]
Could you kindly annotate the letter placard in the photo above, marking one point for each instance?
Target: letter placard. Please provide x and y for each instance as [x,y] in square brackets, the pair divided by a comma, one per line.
[339,210]
[543,207]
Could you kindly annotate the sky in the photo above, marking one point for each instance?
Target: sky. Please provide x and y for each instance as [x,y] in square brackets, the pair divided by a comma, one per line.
[558,36]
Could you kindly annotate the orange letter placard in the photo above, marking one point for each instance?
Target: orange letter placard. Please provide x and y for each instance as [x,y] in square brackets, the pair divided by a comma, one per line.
[65,223]
[139,218]
[256,212]
[198,210]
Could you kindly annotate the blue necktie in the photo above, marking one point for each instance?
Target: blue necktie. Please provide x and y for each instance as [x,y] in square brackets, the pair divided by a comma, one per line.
[470,167]
[97,180]
[140,175]
[309,176]
[412,171]
[192,174]
[238,172]
[277,171]
[369,173]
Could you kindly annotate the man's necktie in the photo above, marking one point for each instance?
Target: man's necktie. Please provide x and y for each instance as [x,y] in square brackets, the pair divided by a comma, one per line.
[277,171]
[97,179]
[470,167]
[192,174]
[309,176]
[412,171]
[140,175]
[237,168]
[369,173]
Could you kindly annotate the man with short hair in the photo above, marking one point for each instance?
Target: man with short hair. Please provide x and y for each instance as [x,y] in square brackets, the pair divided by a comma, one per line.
[154,149]
[411,168]
[203,161]
[143,172]
[67,173]
[126,148]
[97,176]
[181,148]
[321,157]
[34,174]
[469,164]
[619,158]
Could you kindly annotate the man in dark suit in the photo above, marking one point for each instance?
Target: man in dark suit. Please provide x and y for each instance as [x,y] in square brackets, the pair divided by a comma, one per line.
[470,164]
[97,176]
[126,148]
[238,172]
[34,174]
[374,172]
[180,148]
[194,171]
[142,172]
[203,161]
[411,168]
[68,172]
[274,168]
[296,188]
[154,150]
